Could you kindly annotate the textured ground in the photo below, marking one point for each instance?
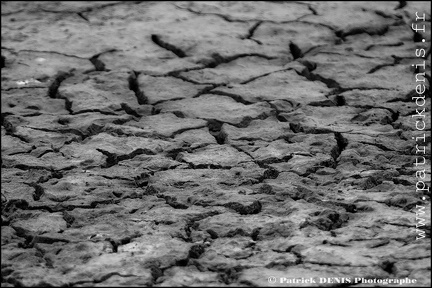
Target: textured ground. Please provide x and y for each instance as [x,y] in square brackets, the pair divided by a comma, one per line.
[212,143]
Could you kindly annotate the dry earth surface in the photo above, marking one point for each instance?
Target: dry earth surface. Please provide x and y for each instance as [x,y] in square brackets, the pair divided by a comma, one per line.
[211,143]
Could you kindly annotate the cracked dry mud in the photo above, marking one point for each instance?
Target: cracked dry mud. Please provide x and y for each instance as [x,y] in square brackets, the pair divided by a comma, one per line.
[211,143]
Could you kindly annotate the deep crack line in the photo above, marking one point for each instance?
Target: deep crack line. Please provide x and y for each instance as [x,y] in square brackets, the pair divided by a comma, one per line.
[384,45]
[90,9]
[158,41]
[295,51]
[42,51]
[264,75]
[193,232]
[134,86]
[396,60]
[379,30]
[235,97]
[401,5]
[342,143]
[178,71]
[80,14]
[230,19]
[97,63]
[252,30]
[113,158]
[224,17]
[53,88]
[314,12]
[217,60]
[175,75]
[19,88]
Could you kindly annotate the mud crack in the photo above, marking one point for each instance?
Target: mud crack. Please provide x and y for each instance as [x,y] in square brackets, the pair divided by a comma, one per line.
[161,43]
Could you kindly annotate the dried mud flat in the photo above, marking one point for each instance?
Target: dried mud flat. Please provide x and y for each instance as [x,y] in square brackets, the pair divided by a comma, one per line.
[213,143]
